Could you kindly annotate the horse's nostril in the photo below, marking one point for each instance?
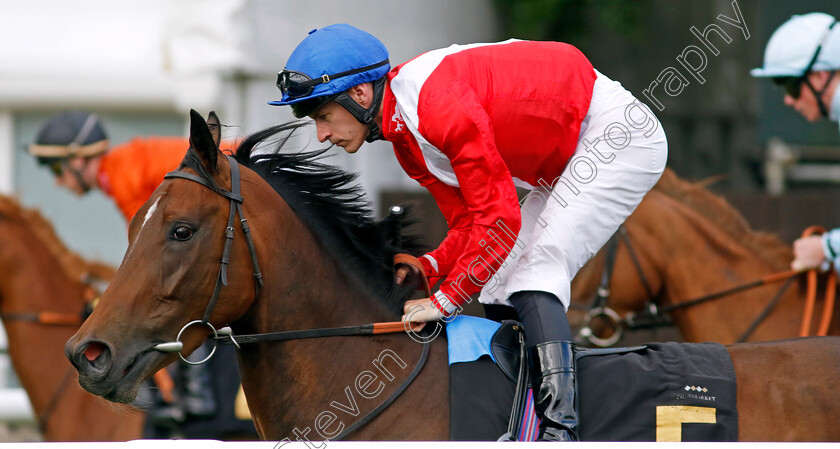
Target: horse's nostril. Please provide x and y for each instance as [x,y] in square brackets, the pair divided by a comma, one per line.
[93,359]
[93,351]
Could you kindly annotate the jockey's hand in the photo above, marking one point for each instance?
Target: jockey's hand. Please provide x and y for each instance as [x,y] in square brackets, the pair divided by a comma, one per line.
[807,253]
[403,271]
[420,311]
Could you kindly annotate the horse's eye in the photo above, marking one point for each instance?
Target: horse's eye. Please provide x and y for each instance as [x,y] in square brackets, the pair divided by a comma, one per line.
[182,233]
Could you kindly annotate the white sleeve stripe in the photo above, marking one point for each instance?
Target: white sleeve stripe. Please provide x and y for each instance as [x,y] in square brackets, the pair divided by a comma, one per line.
[432,261]
[444,302]
[406,87]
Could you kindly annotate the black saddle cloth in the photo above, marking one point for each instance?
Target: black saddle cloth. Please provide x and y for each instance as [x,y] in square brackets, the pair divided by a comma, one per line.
[682,391]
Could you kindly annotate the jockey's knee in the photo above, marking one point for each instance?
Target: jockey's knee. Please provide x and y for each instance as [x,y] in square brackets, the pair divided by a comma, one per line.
[542,315]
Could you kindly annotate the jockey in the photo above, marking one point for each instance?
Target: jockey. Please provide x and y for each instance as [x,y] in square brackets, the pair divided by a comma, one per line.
[805,50]
[471,123]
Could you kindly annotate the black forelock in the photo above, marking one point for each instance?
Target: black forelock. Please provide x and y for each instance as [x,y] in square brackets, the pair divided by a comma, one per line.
[336,209]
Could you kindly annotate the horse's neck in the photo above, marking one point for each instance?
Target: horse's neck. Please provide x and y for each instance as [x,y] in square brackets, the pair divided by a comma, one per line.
[308,287]
[308,377]
[345,378]
[38,284]
[694,257]
[682,243]
[36,350]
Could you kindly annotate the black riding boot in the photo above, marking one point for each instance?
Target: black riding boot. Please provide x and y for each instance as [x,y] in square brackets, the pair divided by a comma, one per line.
[553,371]
[548,338]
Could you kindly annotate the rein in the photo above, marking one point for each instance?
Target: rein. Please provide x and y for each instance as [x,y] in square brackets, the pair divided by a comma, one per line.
[364,330]
[653,316]
[44,416]
[46,318]
[57,318]
[53,319]
[225,335]
[830,291]
[50,319]
[654,310]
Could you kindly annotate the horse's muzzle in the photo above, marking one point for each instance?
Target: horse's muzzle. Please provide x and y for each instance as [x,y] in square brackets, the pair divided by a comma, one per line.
[92,358]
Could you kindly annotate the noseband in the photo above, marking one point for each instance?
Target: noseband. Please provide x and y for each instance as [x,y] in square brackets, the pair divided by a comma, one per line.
[235,207]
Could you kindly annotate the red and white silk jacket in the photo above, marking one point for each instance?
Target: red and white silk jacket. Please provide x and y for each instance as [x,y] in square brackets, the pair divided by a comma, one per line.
[469,122]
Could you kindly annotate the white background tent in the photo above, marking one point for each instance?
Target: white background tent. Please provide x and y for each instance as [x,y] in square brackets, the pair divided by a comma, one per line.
[142,65]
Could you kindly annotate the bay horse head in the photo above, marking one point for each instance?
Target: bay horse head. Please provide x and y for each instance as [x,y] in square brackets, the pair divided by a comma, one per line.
[167,273]
[310,234]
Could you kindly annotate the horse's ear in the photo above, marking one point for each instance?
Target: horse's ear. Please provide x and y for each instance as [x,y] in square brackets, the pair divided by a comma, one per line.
[201,140]
[215,127]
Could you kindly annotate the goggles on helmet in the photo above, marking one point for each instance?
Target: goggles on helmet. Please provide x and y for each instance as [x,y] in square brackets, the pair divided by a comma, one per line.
[57,168]
[792,85]
[299,85]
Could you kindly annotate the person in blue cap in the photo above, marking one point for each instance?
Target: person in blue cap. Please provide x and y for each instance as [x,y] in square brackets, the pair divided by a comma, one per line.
[803,56]
[470,123]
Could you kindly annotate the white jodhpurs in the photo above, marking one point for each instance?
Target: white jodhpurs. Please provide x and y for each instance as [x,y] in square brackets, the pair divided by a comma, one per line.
[620,155]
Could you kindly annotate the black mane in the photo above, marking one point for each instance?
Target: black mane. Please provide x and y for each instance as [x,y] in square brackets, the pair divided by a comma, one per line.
[334,208]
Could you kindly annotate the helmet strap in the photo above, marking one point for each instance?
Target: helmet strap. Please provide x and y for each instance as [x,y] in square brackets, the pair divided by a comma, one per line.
[819,93]
[367,115]
[79,178]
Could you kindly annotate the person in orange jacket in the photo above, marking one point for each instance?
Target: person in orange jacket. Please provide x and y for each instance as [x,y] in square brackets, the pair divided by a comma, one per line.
[75,147]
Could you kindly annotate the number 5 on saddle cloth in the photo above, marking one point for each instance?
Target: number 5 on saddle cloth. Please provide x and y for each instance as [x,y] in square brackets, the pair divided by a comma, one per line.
[654,392]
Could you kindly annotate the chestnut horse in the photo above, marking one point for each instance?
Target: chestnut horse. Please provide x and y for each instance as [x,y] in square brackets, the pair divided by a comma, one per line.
[689,243]
[311,257]
[42,298]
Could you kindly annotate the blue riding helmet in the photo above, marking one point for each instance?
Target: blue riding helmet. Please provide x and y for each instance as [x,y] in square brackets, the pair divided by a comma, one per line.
[327,63]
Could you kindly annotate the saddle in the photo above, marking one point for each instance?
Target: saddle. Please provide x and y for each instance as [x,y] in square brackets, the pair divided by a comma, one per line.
[508,349]
[641,393]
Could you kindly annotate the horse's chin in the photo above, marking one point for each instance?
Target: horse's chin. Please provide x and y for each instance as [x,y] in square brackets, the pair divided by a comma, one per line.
[123,383]
[121,394]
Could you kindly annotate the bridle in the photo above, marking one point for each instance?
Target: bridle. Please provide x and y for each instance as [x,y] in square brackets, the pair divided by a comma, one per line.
[652,315]
[235,198]
[50,319]
[599,307]
[225,335]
